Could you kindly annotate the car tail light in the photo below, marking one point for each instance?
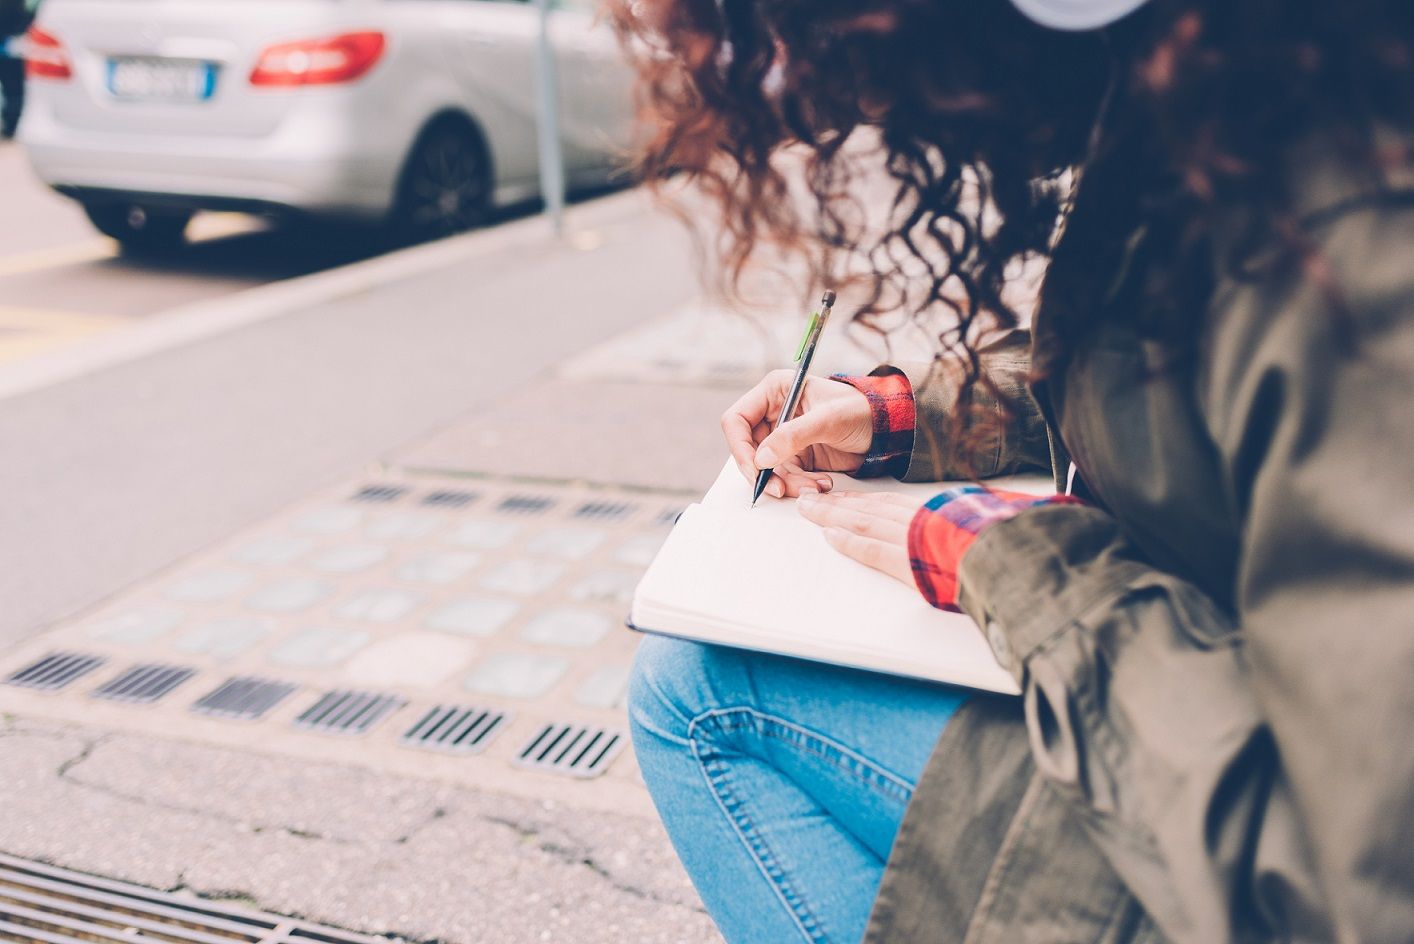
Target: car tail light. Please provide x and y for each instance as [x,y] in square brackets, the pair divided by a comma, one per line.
[319,61]
[45,57]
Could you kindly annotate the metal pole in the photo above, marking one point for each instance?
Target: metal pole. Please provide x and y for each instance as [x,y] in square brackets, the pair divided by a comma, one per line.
[547,124]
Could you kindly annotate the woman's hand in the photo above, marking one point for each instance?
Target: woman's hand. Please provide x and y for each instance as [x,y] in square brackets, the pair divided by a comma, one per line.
[871,527]
[831,433]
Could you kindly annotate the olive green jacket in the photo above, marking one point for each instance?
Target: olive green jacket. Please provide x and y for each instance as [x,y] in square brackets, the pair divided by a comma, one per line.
[1216,737]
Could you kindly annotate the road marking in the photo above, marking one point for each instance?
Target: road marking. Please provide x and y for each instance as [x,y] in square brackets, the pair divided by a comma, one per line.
[207,227]
[28,331]
[57,256]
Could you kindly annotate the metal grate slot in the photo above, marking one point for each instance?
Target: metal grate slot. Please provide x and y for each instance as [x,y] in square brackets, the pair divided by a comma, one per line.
[379,493]
[574,750]
[348,712]
[243,698]
[605,510]
[524,504]
[57,906]
[144,684]
[456,728]
[55,671]
[669,516]
[448,499]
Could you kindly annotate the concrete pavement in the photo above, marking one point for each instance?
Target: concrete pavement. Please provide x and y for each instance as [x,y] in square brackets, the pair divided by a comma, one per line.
[150,468]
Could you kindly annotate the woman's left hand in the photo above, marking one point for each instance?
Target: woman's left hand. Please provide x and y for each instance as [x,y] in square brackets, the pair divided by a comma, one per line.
[871,527]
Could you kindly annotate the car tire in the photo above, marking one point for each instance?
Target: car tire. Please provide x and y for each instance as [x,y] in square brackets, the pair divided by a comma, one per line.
[445,186]
[139,229]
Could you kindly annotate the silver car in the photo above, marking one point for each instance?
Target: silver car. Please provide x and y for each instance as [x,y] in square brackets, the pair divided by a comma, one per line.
[419,114]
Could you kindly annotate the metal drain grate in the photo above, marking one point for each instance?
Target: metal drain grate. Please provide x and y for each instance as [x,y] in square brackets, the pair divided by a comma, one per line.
[524,504]
[448,499]
[669,516]
[574,750]
[348,712]
[56,906]
[144,684]
[604,510]
[55,671]
[455,728]
[243,698]
[379,493]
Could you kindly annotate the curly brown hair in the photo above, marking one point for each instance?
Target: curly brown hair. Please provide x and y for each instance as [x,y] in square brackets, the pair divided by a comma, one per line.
[978,113]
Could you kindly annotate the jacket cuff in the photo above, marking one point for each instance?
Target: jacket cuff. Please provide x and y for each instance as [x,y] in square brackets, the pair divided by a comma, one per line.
[890,397]
[1026,579]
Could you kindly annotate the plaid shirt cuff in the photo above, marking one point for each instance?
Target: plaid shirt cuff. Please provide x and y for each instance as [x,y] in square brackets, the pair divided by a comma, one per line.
[890,398]
[945,527]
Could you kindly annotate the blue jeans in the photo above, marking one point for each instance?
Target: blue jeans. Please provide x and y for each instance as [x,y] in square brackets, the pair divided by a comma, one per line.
[781,782]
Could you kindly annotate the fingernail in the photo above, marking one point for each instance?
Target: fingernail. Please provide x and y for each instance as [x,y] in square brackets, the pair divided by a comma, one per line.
[775,489]
[766,458]
[825,484]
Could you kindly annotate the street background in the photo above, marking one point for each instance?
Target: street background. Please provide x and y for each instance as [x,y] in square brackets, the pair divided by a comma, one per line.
[429,477]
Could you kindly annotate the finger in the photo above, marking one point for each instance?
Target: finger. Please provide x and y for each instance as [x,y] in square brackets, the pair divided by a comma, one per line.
[794,437]
[893,499]
[742,418]
[891,559]
[833,514]
[876,504]
[798,481]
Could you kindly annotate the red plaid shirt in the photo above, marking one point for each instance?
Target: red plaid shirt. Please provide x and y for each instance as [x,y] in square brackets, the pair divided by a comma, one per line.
[890,398]
[947,524]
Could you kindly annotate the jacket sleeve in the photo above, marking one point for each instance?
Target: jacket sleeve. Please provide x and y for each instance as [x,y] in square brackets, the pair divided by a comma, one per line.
[1248,774]
[1020,446]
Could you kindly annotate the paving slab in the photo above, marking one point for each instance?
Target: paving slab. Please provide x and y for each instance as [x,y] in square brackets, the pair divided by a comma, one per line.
[347,846]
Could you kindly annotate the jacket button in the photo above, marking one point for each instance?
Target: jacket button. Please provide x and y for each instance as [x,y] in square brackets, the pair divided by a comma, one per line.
[1001,648]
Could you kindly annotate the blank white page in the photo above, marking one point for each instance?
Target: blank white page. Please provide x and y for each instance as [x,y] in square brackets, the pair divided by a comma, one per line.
[764,578]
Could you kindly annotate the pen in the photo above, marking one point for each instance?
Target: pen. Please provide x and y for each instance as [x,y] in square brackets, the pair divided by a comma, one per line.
[803,355]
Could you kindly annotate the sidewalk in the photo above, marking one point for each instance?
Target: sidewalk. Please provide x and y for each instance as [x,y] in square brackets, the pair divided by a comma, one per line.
[417,628]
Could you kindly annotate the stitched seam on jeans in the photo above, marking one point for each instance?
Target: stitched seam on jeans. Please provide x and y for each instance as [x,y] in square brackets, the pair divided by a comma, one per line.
[758,848]
[882,781]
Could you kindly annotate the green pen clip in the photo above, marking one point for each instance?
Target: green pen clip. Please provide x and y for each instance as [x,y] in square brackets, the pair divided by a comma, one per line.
[809,330]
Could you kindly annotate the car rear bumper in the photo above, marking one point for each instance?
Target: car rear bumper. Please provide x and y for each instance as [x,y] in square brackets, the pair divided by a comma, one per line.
[318,170]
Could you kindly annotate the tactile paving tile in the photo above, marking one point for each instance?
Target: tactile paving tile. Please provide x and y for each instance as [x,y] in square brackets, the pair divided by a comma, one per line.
[138,625]
[506,599]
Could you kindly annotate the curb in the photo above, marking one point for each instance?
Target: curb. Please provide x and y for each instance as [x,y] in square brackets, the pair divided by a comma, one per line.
[205,319]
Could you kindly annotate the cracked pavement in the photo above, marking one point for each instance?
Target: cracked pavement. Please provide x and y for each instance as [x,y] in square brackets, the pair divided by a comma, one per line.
[369,851]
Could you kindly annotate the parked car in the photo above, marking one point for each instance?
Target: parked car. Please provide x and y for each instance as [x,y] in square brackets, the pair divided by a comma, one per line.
[416,114]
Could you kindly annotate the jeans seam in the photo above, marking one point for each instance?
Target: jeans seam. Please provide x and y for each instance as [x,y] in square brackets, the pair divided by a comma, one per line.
[884,782]
[717,776]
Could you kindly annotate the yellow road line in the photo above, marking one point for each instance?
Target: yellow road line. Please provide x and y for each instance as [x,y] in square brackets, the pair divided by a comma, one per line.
[57,256]
[25,332]
[207,227]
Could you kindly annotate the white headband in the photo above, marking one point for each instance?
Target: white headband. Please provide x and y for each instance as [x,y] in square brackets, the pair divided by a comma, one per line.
[1076,14]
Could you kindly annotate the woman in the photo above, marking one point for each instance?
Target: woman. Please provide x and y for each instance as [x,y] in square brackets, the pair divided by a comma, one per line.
[1213,636]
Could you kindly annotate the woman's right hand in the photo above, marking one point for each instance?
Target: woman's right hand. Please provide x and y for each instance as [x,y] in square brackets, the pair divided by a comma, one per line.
[831,432]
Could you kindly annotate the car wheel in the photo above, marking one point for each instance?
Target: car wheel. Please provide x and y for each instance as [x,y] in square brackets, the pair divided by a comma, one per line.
[446,184]
[139,229]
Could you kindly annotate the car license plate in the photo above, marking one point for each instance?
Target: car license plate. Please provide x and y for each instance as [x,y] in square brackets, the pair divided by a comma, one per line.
[161,80]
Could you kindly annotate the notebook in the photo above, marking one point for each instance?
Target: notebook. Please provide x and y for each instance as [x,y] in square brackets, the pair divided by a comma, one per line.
[763,578]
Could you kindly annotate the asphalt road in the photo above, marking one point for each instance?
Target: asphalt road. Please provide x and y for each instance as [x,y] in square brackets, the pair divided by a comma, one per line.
[121,470]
